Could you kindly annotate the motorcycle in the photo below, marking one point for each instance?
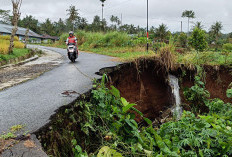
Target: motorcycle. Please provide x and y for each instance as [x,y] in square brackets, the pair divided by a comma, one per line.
[72,52]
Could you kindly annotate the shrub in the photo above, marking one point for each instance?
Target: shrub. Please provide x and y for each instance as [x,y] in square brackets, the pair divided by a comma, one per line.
[7,37]
[197,95]
[4,45]
[63,38]
[158,45]
[227,47]
[183,40]
[198,40]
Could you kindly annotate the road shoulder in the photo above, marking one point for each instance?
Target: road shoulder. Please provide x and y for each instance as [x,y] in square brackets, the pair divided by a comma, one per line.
[12,75]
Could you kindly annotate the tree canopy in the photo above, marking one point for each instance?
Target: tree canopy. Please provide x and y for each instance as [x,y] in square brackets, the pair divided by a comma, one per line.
[198,40]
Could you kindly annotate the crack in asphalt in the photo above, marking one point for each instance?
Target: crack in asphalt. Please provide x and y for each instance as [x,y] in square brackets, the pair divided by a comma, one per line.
[83,73]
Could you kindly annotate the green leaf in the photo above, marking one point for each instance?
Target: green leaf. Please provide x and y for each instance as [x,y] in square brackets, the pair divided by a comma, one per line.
[115,92]
[124,101]
[149,122]
[148,153]
[229,93]
[107,152]
[137,111]
[128,107]
[104,78]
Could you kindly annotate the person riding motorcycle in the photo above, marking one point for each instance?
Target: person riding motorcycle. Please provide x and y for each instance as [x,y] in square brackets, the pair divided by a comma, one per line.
[72,40]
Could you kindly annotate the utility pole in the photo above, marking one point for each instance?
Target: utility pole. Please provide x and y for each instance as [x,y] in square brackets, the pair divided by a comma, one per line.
[181,27]
[102,17]
[102,10]
[121,19]
[147,29]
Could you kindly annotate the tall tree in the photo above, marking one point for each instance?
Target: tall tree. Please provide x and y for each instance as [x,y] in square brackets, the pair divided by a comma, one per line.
[73,15]
[30,22]
[215,30]
[26,24]
[47,27]
[161,32]
[83,23]
[189,14]
[59,27]
[16,14]
[96,24]
[5,16]
[115,21]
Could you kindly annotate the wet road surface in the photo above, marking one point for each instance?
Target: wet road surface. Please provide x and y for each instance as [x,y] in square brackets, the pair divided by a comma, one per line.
[32,103]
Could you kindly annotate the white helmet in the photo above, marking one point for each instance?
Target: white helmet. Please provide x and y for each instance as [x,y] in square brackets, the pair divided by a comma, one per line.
[71,32]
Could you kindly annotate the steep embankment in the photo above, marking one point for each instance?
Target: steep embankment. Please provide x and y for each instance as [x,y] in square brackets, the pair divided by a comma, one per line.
[144,82]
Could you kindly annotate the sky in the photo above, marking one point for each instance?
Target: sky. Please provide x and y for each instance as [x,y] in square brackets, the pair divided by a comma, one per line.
[134,11]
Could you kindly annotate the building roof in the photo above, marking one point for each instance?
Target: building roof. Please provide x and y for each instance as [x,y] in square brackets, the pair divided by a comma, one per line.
[4,28]
[46,36]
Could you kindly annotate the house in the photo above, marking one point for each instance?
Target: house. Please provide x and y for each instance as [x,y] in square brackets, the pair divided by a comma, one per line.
[47,38]
[33,37]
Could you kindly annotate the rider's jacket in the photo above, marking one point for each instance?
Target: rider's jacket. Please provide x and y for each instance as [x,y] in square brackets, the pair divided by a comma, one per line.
[71,40]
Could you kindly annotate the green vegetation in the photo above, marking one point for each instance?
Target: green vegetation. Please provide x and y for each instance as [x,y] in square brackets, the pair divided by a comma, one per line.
[5,42]
[126,48]
[116,44]
[204,58]
[198,40]
[11,133]
[183,40]
[16,53]
[106,126]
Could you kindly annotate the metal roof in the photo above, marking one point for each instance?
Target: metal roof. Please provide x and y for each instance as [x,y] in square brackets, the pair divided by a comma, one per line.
[4,28]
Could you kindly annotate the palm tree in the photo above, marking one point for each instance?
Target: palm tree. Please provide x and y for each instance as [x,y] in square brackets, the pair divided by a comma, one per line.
[216,29]
[83,23]
[161,32]
[112,19]
[198,25]
[73,14]
[189,14]
[115,19]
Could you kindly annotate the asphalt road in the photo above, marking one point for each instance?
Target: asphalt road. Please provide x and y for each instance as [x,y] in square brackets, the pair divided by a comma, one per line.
[32,103]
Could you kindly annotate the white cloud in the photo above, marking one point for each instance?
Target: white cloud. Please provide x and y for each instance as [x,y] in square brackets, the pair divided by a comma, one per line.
[134,11]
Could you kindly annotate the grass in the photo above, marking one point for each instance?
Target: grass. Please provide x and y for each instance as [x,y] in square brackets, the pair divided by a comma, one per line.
[16,53]
[204,58]
[126,48]
[115,44]
[124,54]
[12,133]
[131,53]
[5,42]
